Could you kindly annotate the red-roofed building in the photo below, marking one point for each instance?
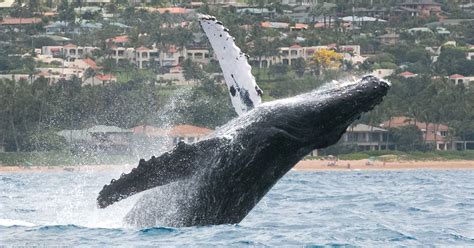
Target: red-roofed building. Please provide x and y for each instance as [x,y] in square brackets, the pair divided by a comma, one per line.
[100,79]
[421,8]
[148,140]
[407,74]
[288,55]
[460,79]
[172,10]
[299,27]
[281,25]
[119,40]
[91,63]
[187,133]
[19,21]
[436,134]
[148,131]
[69,51]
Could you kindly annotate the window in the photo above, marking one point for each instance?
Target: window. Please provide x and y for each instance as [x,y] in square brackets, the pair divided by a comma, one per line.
[375,137]
[198,56]
[294,52]
[120,53]
[191,139]
[443,133]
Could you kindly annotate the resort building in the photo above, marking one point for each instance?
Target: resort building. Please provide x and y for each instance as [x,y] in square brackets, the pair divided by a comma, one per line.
[288,55]
[70,51]
[435,134]
[460,79]
[366,137]
[420,8]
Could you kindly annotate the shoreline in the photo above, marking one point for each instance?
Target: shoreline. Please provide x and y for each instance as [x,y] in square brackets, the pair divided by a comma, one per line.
[365,164]
[304,165]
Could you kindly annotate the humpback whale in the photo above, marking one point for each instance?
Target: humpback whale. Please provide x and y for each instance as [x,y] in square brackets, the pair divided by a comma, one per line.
[220,179]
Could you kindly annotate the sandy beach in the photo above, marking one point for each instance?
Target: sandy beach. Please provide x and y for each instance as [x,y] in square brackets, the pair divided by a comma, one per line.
[304,165]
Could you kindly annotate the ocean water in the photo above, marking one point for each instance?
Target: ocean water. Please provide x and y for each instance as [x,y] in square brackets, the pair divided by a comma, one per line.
[333,208]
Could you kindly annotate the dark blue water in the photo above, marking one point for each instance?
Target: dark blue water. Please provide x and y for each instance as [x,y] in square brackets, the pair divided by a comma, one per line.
[353,208]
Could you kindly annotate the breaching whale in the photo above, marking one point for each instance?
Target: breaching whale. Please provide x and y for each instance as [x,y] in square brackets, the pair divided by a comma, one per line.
[220,179]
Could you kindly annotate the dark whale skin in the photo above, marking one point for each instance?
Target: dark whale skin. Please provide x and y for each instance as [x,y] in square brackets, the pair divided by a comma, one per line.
[219,180]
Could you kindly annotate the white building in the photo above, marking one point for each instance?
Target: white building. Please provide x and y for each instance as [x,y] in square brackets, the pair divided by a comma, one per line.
[69,51]
[289,55]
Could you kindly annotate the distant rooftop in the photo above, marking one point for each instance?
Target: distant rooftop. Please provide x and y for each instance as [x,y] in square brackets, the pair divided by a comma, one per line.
[365,128]
[19,21]
[419,2]
[106,129]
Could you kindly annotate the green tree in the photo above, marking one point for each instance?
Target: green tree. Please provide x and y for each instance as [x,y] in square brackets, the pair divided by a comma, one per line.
[407,138]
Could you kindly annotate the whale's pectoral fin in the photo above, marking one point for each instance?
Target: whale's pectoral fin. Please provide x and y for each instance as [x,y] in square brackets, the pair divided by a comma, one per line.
[169,167]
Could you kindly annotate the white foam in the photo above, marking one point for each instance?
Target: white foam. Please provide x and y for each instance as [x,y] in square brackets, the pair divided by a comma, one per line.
[10,222]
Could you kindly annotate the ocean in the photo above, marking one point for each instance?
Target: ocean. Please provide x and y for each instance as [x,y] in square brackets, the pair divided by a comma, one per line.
[312,209]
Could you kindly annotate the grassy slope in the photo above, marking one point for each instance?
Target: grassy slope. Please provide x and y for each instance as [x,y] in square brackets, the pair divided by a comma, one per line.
[397,155]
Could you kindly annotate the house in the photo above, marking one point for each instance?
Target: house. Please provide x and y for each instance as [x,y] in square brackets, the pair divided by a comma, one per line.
[376,12]
[145,56]
[10,21]
[359,20]
[162,139]
[366,137]
[171,57]
[148,140]
[98,138]
[299,27]
[121,40]
[174,76]
[6,4]
[68,51]
[288,55]
[383,73]
[186,133]
[95,2]
[389,39]
[122,54]
[80,26]
[460,79]
[470,54]
[256,11]
[433,133]
[419,30]
[276,25]
[198,54]
[72,51]
[110,138]
[420,8]
[99,79]
[407,74]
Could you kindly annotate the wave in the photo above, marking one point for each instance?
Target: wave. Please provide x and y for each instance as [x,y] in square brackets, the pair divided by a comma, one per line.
[10,222]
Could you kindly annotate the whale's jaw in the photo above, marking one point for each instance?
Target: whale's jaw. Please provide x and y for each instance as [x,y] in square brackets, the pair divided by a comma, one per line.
[220,179]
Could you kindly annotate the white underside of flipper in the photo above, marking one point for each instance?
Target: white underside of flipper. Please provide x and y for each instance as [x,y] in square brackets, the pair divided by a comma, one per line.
[244,91]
